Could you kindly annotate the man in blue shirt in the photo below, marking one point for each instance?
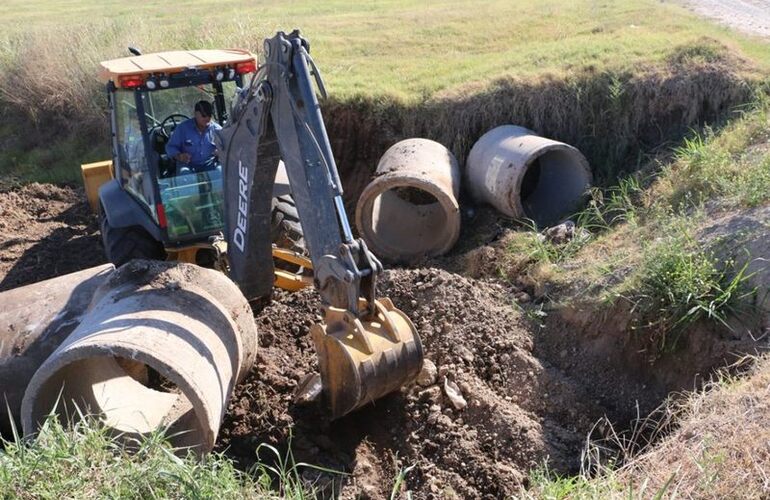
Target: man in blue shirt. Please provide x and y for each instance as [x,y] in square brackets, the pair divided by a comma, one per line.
[192,143]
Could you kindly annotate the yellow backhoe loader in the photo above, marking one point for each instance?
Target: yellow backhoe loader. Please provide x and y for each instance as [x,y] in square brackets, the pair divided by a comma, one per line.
[275,193]
[149,205]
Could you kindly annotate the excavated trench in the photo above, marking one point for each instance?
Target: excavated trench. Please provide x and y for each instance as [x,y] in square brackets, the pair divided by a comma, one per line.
[533,389]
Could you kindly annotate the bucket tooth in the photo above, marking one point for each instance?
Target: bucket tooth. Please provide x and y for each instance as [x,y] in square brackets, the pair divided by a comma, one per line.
[363,359]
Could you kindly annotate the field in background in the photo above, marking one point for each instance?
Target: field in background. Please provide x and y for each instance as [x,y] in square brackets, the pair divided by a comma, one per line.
[404,51]
[404,48]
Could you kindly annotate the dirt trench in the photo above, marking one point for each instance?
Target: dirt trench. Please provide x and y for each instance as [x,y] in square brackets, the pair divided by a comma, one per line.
[614,118]
[534,389]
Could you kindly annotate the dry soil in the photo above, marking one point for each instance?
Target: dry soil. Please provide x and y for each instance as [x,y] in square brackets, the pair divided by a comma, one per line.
[534,385]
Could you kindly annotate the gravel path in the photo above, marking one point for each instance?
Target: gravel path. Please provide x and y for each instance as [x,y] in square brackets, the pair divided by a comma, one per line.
[748,16]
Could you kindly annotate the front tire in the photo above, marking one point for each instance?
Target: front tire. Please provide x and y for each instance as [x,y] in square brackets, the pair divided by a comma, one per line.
[122,244]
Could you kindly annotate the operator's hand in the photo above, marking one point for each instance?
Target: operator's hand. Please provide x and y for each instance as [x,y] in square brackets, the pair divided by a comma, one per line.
[183,157]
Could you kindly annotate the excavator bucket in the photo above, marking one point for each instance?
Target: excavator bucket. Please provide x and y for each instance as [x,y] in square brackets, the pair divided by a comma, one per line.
[362,359]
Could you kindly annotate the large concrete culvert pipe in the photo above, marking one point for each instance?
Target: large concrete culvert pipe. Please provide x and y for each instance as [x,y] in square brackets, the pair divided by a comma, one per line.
[34,320]
[525,175]
[410,209]
[190,326]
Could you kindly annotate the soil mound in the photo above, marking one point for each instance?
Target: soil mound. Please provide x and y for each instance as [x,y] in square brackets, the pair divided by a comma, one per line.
[520,411]
[46,231]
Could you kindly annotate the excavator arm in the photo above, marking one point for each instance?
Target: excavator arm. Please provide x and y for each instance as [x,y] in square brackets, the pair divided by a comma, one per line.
[366,347]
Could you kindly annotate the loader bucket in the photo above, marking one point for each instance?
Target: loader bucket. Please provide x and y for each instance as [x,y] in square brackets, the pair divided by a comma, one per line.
[363,359]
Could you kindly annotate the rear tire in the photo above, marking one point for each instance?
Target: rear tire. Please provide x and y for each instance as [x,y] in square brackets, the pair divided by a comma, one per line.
[122,244]
[286,231]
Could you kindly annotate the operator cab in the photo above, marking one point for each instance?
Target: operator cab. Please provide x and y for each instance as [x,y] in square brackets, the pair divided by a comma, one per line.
[149,96]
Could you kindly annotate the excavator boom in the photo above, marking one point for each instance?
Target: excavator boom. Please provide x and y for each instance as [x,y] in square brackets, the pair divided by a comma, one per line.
[366,347]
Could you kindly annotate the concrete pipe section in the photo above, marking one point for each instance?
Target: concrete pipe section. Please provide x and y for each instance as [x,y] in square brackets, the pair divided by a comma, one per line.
[34,320]
[162,345]
[410,209]
[524,175]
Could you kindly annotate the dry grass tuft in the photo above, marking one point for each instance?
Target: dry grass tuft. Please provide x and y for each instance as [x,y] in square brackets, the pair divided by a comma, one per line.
[721,448]
[707,444]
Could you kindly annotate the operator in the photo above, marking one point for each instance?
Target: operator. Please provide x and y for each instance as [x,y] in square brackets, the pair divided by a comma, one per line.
[192,142]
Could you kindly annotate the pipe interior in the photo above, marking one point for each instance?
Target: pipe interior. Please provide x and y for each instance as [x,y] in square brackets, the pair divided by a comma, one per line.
[408,219]
[123,394]
[553,186]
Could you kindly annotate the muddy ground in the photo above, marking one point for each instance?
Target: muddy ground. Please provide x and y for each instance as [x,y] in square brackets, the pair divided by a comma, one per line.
[535,385]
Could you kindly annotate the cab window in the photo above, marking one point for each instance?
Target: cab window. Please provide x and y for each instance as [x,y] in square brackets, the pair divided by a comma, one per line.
[134,172]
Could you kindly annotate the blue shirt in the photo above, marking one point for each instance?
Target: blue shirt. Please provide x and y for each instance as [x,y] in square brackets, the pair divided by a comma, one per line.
[188,139]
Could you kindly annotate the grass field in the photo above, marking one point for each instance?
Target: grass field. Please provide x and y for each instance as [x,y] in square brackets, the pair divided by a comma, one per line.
[405,48]
[404,52]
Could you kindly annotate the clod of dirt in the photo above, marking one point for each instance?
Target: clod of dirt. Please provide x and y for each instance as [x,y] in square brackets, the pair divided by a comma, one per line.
[428,374]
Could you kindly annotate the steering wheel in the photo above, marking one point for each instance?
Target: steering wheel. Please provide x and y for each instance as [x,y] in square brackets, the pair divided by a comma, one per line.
[169,123]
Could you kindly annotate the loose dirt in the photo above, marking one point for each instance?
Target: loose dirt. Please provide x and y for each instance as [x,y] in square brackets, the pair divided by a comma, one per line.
[534,389]
[520,411]
[46,231]
[534,385]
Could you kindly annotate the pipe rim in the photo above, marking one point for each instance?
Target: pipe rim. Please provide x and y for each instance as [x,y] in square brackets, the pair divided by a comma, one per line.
[56,364]
[516,201]
[388,182]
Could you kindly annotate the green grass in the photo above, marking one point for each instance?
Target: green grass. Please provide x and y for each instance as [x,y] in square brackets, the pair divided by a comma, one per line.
[733,166]
[400,53]
[546,485]
[84,461]
[56,161]
[402,47]
[606,208]
[618,204]
[681,283]
[643,236]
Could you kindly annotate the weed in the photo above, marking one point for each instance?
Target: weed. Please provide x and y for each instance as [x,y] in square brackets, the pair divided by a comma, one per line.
[733,165]
[752,185]
[612,206]
[534,313]
[288,475]
[681,283]
[545,484]
[399,481]
[532,247]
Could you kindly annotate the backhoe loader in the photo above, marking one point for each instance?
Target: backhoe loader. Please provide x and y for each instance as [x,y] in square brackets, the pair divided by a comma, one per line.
[366,346]
[151,207]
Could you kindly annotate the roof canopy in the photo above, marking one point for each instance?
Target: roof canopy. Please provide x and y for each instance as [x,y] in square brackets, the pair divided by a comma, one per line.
[172,62]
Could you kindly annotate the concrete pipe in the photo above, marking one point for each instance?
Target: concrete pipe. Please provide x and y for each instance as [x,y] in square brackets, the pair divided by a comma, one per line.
[34,320]
[524,175]
[410,209]
[190,326]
